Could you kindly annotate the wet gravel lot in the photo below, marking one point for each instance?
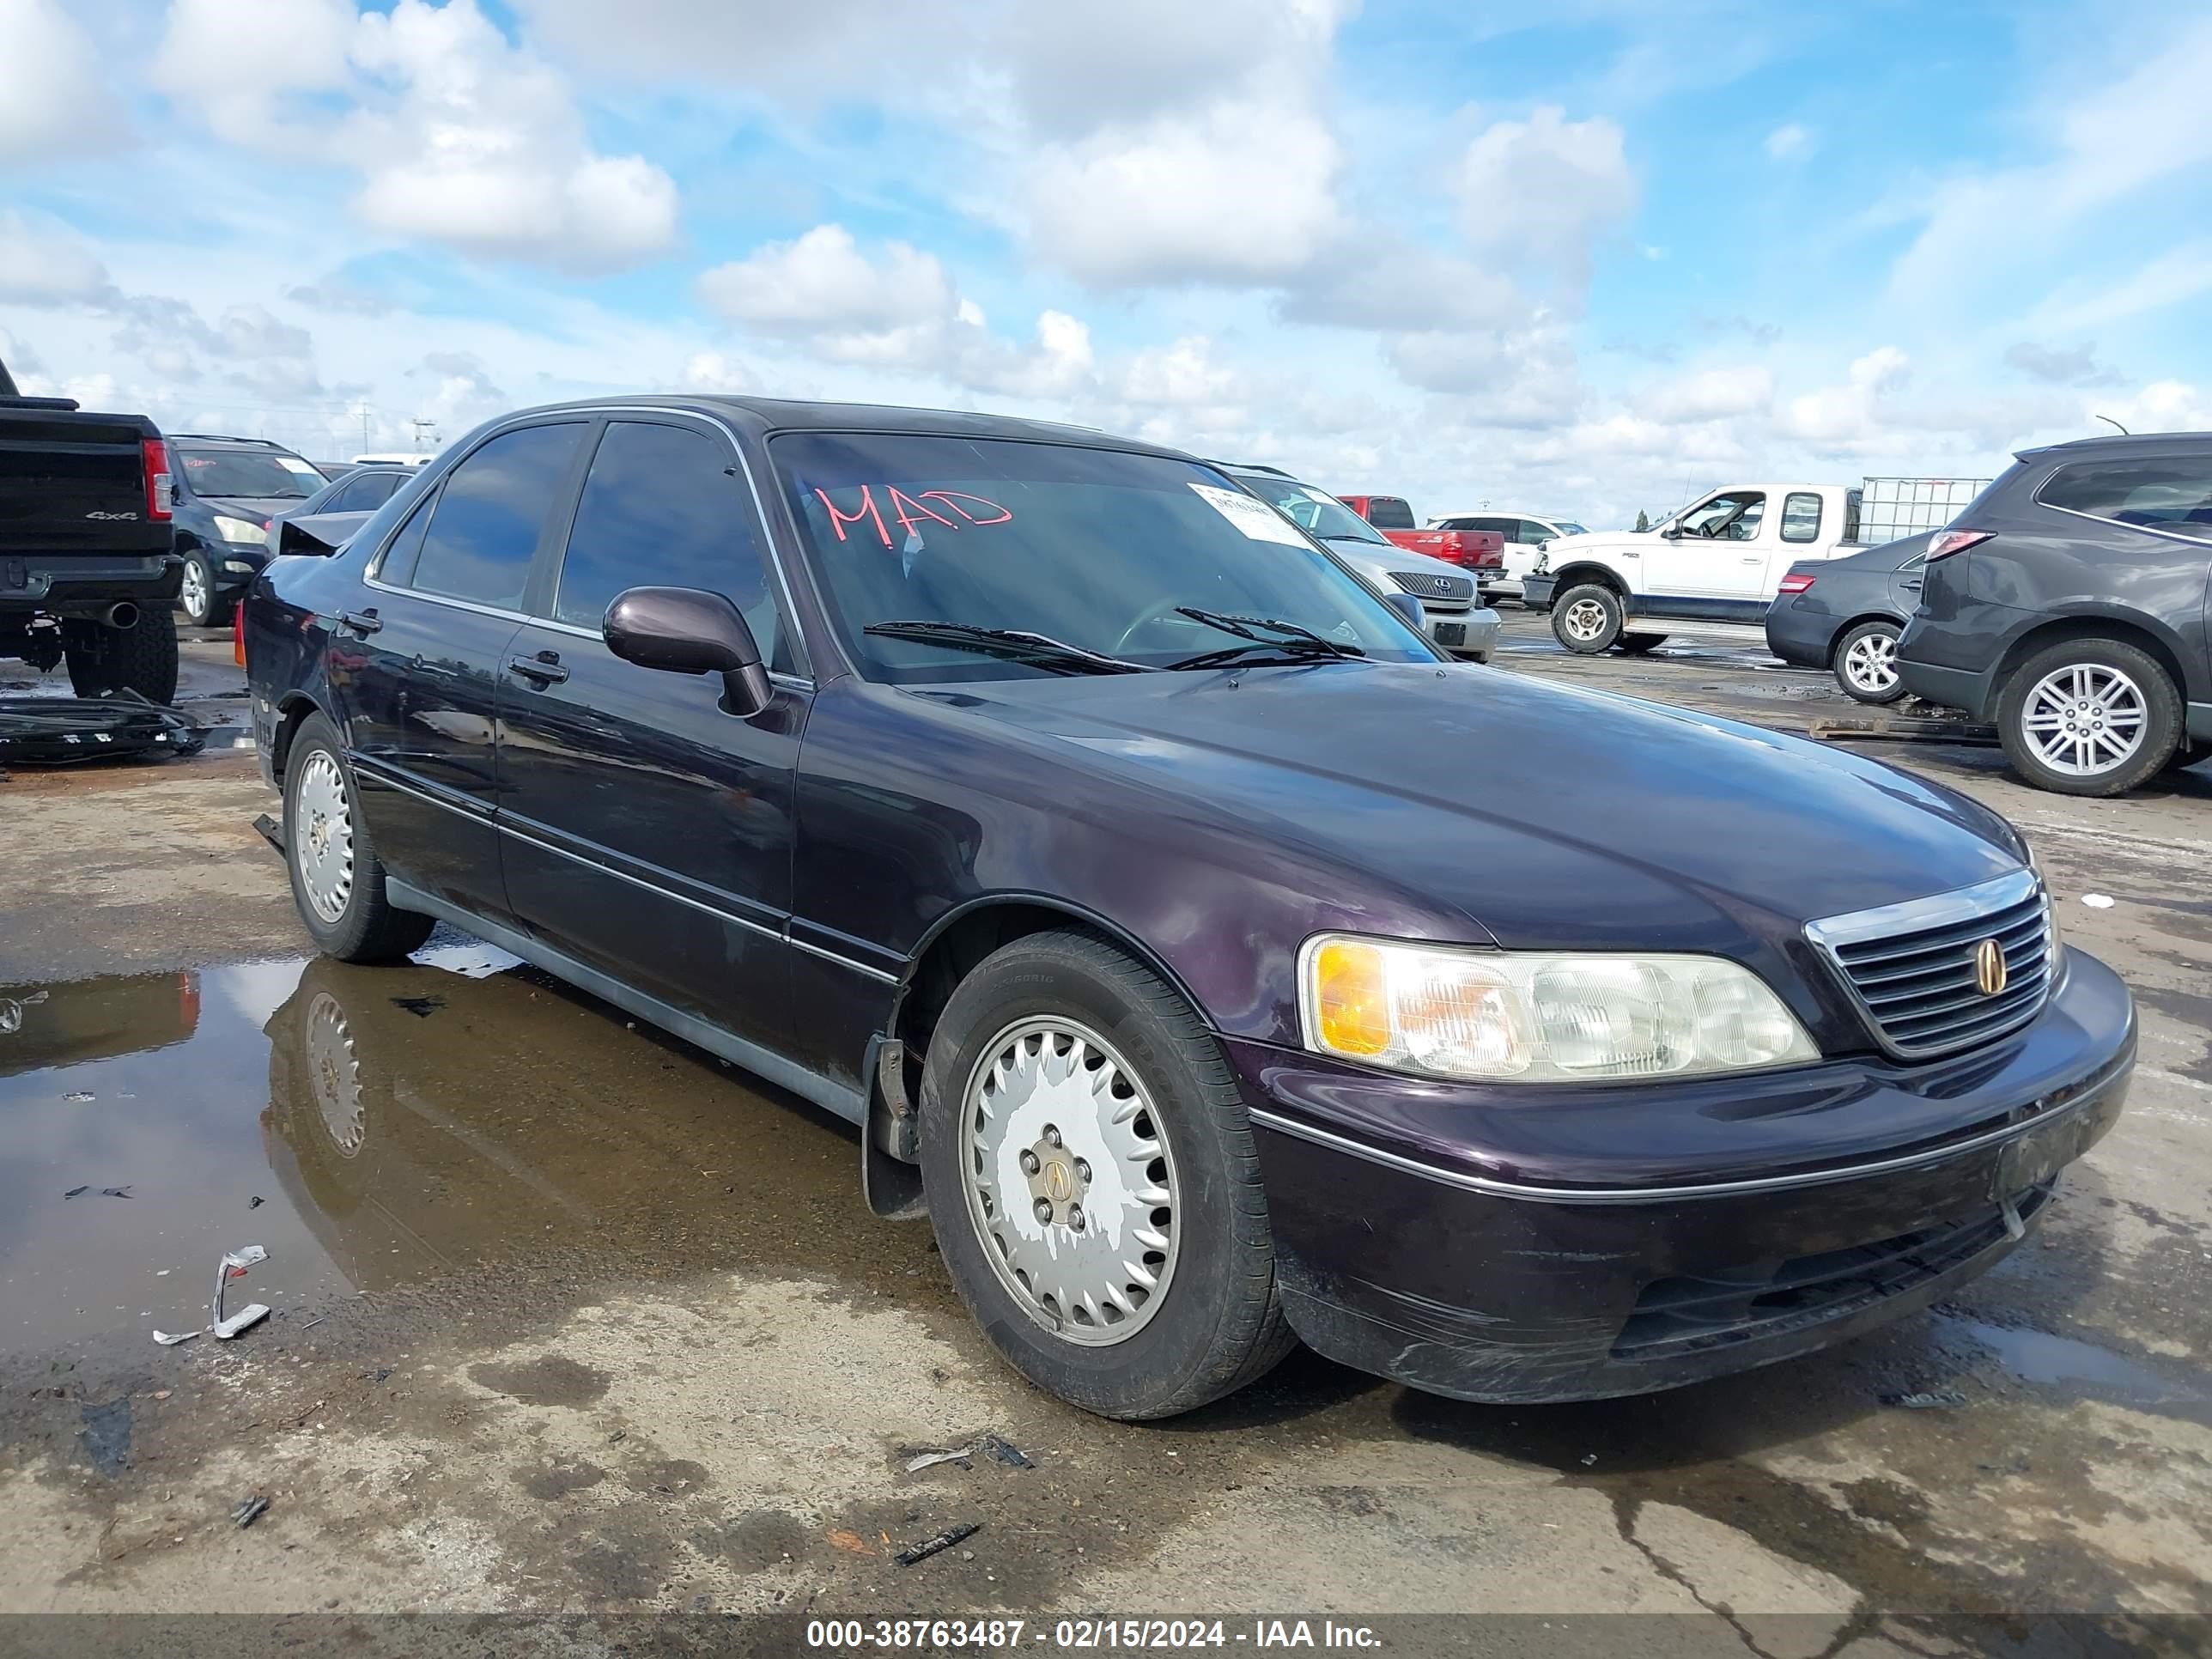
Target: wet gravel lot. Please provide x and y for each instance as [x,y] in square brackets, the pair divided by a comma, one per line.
[568,1315]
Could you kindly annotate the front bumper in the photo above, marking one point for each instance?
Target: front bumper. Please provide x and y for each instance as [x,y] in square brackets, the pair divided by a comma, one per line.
[1574,1252]
[1465,633]
[1536,591]
[234,567]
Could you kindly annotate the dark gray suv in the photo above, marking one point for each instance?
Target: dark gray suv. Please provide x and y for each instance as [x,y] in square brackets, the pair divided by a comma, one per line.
[2068,606]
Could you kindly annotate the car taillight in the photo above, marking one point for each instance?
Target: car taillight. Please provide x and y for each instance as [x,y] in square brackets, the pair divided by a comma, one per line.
[238,635]
[1793,584]
[154,457]
[1948,542]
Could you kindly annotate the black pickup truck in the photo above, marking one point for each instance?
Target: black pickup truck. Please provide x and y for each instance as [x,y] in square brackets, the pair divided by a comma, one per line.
[88,570]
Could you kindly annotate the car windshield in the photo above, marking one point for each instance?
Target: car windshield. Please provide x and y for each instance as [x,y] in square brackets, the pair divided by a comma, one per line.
[1322,514]
[256,474]
[1079,551]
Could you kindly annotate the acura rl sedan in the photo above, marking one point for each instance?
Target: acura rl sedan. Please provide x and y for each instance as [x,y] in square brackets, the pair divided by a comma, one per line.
[1128,873]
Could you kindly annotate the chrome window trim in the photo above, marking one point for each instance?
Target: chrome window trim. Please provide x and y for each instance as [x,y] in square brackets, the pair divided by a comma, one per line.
[1830,935]
[608,412]
[2159,530]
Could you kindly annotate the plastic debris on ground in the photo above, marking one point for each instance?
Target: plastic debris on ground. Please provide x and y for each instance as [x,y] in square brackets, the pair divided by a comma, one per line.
[1930,1399]
[2097,901]
[474,960]
[421,1007]
[1004,1451]
[235,1264]
[997,1448]
[169,1341]
[66,731]
[249,1510]
[77,1096]
[115,1191]
[941,1541]
[76,1192]
[959,1454]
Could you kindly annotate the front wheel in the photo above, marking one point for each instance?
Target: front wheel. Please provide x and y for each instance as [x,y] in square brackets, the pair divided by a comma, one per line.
[2089,717]
[196,594]
[337,880]
[1588,619]
[1866,663]
[1093,1184]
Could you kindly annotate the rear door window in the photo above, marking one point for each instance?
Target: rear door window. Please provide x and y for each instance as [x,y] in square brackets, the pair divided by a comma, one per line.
[2169,493]
[666,505]
[1801,516]
[1529,531]
[485,527]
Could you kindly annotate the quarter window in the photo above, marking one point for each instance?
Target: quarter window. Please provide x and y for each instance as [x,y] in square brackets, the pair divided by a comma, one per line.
[2172,493]
[485,527]
[1801,516]
[664,506]
[1530,531]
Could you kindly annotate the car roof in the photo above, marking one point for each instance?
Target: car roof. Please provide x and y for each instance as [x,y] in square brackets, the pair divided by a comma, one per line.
[2114,444]
[766,415]
[221,441]
[1504,513]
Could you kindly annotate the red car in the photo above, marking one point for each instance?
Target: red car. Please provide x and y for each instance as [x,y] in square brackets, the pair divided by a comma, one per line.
[1482,551]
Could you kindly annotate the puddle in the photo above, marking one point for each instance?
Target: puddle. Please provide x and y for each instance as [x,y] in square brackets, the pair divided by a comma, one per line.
[398,1125]
[2069,1363]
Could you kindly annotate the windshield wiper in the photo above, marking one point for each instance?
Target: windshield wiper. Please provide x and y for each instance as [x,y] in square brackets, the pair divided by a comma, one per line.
[1015,644]
[1295,642]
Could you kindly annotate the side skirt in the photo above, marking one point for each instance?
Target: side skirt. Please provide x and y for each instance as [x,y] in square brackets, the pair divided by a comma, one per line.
[847,1103]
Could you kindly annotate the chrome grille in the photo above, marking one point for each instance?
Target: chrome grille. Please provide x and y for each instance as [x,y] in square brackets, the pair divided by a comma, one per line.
[1913,967]
[1428,587]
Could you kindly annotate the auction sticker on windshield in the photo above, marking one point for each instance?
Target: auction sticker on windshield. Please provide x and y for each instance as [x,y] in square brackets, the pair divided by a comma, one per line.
[1255,517]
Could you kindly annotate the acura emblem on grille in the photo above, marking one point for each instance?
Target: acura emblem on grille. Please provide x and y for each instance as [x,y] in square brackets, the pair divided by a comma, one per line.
[1989,967]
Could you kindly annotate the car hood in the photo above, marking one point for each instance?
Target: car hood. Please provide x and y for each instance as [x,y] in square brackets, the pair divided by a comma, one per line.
[1549,816]
[1560,549]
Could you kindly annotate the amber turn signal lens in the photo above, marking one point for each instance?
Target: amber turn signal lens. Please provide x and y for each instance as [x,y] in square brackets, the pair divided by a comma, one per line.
[1352,998]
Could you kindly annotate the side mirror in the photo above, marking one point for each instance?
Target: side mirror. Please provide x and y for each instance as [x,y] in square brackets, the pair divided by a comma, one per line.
[1670,534]
[1409,608]
[688,630]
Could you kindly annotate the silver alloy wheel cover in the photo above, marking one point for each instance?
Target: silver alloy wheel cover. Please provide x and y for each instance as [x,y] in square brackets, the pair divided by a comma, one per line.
[1092,1279]
[320,836]
[1871,662]
[2085,719]
[334,1074]
[193,590]
[1585,619]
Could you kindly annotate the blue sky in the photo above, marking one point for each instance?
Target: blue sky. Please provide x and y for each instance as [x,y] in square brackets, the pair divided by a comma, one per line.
[1583,257]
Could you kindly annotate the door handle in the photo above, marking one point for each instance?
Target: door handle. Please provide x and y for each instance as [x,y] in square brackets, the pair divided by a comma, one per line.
[362,622]
[544,668]
[1755,558]
[1909,587]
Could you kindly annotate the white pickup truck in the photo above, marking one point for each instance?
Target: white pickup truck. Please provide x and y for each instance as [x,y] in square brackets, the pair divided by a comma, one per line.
[1719,559]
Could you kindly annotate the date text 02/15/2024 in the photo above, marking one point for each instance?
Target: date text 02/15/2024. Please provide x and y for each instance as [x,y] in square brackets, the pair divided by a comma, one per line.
[1108,1635]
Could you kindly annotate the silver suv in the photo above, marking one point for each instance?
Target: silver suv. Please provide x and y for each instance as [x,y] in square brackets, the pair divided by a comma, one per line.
[1457,619]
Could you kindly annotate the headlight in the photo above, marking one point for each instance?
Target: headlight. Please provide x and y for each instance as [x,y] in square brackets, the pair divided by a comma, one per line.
[1507,1016]
[238,566]
[241,530]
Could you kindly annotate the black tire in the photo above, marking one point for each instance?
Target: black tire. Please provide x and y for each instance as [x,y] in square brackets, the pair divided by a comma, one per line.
[1641,645]
[1219,1324]
[368,928]
[2187,755]
[1567,619]
[1854,686]
[2161,725]
[109,662]
[215,609]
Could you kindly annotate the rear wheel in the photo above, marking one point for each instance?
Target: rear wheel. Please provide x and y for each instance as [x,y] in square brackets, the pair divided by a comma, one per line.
[1093,1184]
[1588,619]
[1866,663]
[1641,645]
[337,880]
[112,662]
[2089,717]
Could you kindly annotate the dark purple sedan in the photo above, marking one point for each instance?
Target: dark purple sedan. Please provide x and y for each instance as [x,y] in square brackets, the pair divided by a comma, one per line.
[1213,964]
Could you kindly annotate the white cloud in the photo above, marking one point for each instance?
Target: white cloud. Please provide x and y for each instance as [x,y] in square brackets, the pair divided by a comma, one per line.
[1855,409]
[1709,394]
[823,282]
[2061,366]
[1788,142]
[45,262]
[714,371]
[1522,377]
[2179,274]
[1546,188]
[2162,406]
[817,51]
[459,137]
[56,104]
[1241,192]
[1186,374]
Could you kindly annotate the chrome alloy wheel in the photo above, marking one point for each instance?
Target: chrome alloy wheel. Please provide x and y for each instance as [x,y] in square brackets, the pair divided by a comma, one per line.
[2085,720]
[1069,1182]
[335,1074]
[1585,619]
[320,836]
[192,592]
[1871,663]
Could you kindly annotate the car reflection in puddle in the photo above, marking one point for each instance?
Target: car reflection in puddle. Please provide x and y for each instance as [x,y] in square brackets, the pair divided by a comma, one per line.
[401,1125]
